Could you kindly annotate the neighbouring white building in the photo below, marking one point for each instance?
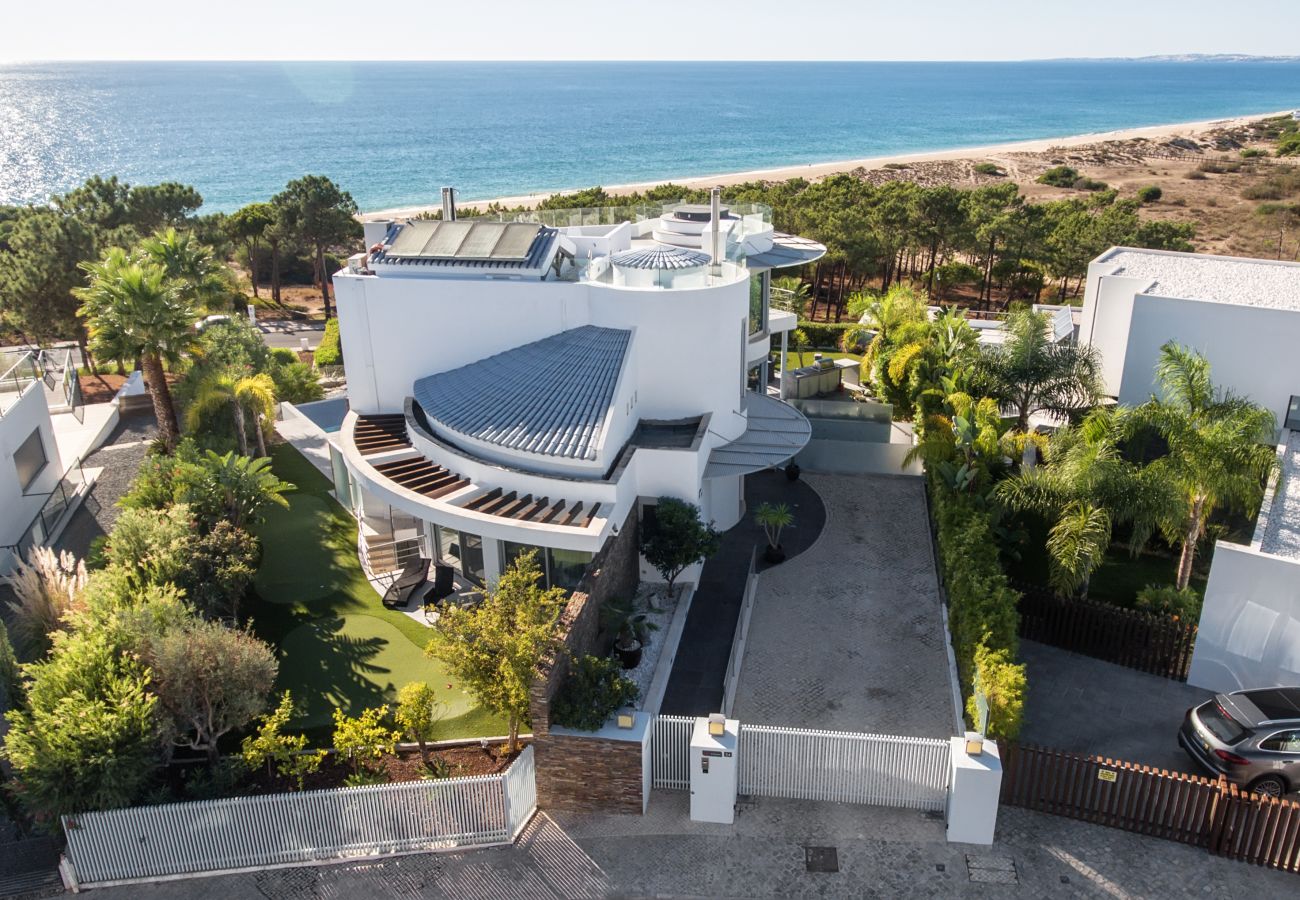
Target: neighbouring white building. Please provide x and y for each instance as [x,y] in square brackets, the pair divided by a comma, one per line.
[1244,316]
[533,384]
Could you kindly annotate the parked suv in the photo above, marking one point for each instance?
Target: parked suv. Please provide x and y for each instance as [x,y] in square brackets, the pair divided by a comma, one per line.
[1252,738]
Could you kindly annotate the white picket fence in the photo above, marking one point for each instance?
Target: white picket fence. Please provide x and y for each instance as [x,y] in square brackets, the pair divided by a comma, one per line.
[179,839]
[844,767]
[671,746]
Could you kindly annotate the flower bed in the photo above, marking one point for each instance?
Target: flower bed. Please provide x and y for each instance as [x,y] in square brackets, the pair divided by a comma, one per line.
[659,608]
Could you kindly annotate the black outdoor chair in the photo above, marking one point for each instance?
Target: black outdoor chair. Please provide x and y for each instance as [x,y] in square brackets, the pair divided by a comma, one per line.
[411,580]
[444,584]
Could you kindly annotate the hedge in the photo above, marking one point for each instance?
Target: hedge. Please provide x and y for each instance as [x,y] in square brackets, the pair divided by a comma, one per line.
[825,335]
[982,612]
[330,351]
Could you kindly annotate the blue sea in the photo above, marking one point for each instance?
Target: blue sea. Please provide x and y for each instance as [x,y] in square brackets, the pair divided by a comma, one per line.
[394,133]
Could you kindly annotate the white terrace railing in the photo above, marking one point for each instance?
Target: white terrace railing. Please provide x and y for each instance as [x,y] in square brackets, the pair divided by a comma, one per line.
[186,839]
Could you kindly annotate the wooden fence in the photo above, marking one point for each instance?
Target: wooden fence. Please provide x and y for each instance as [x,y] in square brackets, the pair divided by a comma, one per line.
[1171,805]
[1139,640]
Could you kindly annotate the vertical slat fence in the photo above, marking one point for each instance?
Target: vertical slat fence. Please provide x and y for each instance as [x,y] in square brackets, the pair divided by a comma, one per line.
[844,767]
[1215,815]
[1131,638]
[282,829]
[671,746]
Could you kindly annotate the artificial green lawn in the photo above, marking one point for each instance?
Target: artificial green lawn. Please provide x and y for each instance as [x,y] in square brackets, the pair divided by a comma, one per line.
[799,360]
[338,646]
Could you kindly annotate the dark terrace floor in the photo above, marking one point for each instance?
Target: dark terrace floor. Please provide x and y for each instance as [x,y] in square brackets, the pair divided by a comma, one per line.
[695,686]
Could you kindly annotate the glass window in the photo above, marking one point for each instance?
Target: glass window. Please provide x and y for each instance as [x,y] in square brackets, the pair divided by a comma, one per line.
[565,567]
[471,558]
[511,552]
[756,292]
[29,459]
[1220,724]
[342,478]
[1282,742]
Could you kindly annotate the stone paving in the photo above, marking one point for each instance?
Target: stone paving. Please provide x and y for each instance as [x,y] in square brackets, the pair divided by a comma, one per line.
[880,853]
[1092,707]
[849,634]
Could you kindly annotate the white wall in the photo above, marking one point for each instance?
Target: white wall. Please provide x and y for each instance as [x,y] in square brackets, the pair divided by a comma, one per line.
[17,510]
[1249,634]
[1107,311]
[1253,351]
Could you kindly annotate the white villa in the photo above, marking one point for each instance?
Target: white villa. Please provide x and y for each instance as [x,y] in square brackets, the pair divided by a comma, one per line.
[1244,316]
[533,384]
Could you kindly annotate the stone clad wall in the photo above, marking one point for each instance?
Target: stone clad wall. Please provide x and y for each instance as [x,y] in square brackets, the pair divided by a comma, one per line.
[579,772]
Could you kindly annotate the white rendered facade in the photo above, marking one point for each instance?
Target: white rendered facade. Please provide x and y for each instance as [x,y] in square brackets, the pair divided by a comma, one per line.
[1244,316]
[30,465]
[668,294]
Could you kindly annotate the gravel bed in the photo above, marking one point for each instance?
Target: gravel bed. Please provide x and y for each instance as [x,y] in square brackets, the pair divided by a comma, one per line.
[658,606]
[120,458]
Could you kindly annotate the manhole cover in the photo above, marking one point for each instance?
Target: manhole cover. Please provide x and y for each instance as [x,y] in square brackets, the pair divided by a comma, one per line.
[821,859]
[991,869]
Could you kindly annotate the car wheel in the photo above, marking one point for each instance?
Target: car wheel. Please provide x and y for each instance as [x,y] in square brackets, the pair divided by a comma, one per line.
[1269,786]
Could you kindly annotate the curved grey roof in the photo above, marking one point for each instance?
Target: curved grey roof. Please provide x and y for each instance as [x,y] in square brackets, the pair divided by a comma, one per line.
[775,432]
[549,397]
[660,256]
[787,250]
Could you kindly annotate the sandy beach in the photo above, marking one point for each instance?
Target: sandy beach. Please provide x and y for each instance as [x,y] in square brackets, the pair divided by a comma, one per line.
[814,171]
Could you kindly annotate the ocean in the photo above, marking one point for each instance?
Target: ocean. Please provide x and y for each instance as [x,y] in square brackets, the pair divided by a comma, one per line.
[394,133]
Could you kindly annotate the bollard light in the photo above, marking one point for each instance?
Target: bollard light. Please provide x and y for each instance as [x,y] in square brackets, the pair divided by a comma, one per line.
[626,719]
[717,724]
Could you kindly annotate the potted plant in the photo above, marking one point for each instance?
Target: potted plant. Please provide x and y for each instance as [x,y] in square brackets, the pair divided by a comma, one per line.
[630,627]
[792,471]
[774,518]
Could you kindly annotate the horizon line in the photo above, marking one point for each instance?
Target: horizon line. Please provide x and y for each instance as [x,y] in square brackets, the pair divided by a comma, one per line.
[1188,56]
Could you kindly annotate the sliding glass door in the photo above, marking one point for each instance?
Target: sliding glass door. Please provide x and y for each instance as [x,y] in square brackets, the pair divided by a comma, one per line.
[462,550]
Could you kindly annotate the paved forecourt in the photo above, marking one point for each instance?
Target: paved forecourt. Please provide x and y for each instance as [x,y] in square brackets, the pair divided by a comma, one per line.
[848,635]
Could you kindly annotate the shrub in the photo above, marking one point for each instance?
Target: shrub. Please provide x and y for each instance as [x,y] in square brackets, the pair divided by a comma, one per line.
[1150,194]
[1195,175]
[1269,190]
[1003,683]
[1253,153]
[678,539]
[285,754]
[595,689]
[1166,600]
[152,546]
[218,570]
[1289,145]
[46,587]
[982,613]
[365,739]
[988,168]
[1088,184]
[330,350]
[823,335]
[418,714]
[1059,176]
[295,382]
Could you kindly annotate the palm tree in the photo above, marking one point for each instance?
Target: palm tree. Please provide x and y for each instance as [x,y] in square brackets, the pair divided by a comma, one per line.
[1084,487]
[133,310]
[1030,372]
[1220,447]
[245,486]
[252,393]
[883,316]
[199,277]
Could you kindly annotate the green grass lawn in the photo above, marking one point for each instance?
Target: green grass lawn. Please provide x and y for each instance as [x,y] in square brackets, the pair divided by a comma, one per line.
[338,646]
[798,360]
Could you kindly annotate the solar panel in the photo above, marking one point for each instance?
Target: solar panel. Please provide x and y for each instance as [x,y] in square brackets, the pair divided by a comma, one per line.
[516,242]
[412,238]
[447,240]
[481,240]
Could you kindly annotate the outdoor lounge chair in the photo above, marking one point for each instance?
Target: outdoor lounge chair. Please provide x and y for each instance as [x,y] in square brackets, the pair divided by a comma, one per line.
[412,579]
[444,584]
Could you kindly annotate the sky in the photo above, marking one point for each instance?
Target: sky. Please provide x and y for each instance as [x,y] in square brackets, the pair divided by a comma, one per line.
[642,29]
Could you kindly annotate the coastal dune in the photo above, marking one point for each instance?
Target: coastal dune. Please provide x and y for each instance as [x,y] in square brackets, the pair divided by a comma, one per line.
[814,171]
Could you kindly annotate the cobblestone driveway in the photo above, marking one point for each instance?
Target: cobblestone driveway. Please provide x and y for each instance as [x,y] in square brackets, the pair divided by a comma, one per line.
[848,635]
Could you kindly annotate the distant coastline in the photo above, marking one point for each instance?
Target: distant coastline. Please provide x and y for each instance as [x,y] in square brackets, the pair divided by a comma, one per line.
[814,171]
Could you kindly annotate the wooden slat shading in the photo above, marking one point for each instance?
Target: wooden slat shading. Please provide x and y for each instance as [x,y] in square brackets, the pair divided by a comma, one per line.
[380,434]
[527,508]
[422,476]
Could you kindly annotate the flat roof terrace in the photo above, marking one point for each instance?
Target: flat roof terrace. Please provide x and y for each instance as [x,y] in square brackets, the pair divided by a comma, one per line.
[1220,279]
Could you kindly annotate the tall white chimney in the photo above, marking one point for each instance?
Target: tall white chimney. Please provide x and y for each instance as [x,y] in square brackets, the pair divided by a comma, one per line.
[449,204]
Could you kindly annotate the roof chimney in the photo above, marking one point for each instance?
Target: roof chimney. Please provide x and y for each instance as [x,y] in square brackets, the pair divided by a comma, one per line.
[449,204]
[715,214]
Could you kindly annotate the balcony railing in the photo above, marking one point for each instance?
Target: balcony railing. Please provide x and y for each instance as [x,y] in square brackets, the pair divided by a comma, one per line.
[47,519]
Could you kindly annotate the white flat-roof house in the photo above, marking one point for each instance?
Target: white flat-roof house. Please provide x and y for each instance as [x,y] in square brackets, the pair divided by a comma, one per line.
[1244,316]
[528,384]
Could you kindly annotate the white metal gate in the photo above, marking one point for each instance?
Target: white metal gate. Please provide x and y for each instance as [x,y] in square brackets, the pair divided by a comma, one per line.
[671,748]
[844,767]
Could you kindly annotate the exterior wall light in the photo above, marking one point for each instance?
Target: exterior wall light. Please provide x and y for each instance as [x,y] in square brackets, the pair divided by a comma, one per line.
[717,724]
